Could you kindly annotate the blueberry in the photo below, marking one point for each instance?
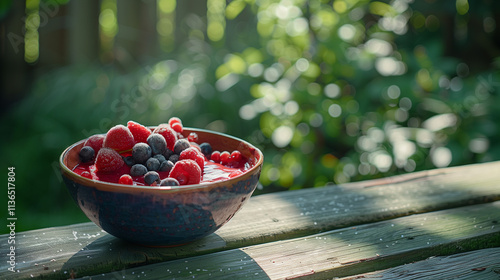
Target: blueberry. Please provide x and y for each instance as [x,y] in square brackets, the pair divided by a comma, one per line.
[169,182]
[141,152]
[129,160]
[174,158]
[138,170]
[157,143]
[167,153]
[166,166]
[151,177]
[86,154]
[160,158]
[152,164]
[206,149]
[181,145]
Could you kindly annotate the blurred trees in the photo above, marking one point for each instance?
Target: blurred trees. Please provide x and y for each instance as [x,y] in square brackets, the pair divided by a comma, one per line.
[353,90]
[331,91]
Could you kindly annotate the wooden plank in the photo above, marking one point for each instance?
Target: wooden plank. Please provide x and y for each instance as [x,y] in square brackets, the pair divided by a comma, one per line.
[263,219]
[480,264]
[343,252]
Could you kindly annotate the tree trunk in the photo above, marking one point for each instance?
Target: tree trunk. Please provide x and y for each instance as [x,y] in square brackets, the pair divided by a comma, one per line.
[136,39]
[53,34]
[15,73]
[84,31]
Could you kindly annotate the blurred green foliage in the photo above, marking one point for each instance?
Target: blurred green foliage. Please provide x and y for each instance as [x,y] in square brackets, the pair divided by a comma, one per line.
[332,92]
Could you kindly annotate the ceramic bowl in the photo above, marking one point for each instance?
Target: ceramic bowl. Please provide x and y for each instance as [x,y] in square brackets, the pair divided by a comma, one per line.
[164,216]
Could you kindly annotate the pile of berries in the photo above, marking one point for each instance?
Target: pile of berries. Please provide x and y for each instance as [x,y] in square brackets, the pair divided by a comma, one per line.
[150,153]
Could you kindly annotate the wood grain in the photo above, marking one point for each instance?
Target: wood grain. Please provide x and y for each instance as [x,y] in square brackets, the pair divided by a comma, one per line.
[479,264]
[344,252]
[54,252]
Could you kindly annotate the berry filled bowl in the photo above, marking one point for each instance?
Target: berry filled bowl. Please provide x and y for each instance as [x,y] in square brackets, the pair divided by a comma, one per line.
[160,186]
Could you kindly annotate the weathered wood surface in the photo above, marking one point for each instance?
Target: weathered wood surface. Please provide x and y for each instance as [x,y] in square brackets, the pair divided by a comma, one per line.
[480,264]
[54,252]
[342,252]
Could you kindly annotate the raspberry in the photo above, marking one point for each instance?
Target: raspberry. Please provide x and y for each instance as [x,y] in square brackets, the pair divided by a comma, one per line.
[215,157]
[196,146]
[224,157]
[139,131]
[108,160]
[119,138]
[186,171]
[126,180]
[193,137]
[168,133]
[95,141]
[194,154]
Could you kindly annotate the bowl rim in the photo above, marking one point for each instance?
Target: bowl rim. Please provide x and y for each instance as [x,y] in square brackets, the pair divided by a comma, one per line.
[101,185]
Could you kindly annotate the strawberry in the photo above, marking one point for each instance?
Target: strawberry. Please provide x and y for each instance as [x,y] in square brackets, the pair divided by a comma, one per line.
[168,133]
[108,160]
[139,131]
[95,142]
[119,138]
[186,172]
[194,154]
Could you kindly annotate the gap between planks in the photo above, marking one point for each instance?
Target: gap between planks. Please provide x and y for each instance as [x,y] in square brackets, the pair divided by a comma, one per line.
[264,218]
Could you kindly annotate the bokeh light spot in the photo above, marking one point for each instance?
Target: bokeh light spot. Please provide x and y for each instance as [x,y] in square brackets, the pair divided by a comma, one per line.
[441,157]
[282,136]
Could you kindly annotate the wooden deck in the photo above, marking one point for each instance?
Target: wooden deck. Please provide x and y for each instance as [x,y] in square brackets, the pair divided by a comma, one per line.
[438,224]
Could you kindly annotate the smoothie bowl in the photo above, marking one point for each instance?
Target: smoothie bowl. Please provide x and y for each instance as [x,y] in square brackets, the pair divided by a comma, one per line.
[194,186]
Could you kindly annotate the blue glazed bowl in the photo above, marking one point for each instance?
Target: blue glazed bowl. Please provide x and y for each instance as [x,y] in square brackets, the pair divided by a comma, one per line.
[164,216]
